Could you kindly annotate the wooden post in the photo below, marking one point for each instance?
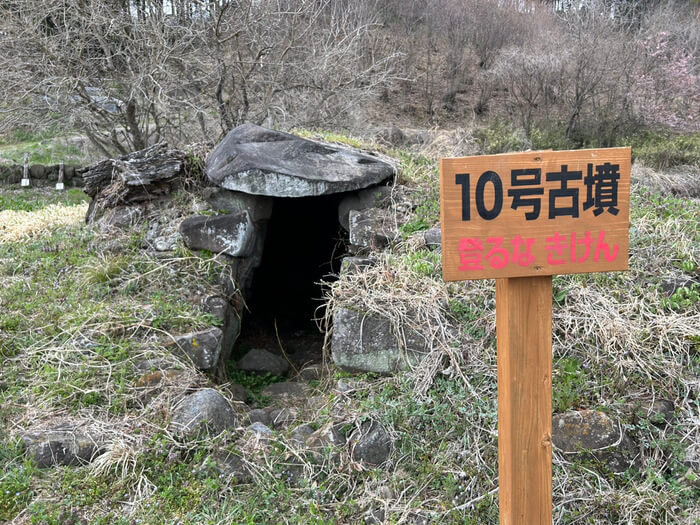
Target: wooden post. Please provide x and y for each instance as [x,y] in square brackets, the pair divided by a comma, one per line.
[524,341]
[59,183]
[25,173]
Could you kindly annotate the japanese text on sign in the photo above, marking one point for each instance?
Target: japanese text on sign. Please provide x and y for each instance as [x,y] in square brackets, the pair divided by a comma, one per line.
[535,213]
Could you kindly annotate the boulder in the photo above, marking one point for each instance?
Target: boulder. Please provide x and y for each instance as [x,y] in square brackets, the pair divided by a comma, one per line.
[301,433]
[37,171]
[261,161]
[373,228]
[231,466]
[121,217]
[202,348]
[327,436]
[263,362]
[286,389]
[376,197]
[10,173]
[433,237]
[139,177]
[371,444]
[352,265]
[591,431]
[232,234]
[60,446]
[258,415]
[258,206]
[260,430]
[204,409]
[51,173]
[692,456]
[367,343]
[282,417]
[237,392]
[221,308]
[658,412]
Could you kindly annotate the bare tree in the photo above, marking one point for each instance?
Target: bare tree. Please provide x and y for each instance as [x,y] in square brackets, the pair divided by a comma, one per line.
[532,78]
[120,75]
[128,73]
[295,62]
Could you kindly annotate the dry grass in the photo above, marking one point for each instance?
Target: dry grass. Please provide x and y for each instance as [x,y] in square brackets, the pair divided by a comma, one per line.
[16,225]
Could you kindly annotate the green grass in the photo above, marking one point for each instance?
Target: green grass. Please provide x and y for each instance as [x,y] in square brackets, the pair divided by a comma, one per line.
[662,150]
[32,200]
[47,147]
[655,148]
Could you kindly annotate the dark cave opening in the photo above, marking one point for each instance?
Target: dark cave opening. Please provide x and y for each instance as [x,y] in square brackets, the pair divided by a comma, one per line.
[304,244]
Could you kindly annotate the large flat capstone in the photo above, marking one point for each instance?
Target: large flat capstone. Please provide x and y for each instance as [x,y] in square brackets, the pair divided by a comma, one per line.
[261,161]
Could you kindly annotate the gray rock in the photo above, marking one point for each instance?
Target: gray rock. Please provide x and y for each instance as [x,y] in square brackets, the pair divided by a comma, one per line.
[376,197]
[259,429]
[262,362]
[351,265]
[671,285]
[232,234]
[202,348]
[328,435]
[374,516]
[238,392]
[222,309]
[120,217]
[51,173]
[230,466]
[301,433]
[433,237]
[282,417]
[692,457]
[345,386]
[258,206]
[285,389]
[312,372]
[217,306]
[258,415]
[10,173]
[367,343]
[373,228]
[659,412]
[37,171]
[596,433]
[261,161]
[166,243]
[371,444]
[204,409]
[61,446]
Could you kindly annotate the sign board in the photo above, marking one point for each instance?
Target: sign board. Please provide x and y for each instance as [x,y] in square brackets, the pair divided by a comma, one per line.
[521,218]
[535,213]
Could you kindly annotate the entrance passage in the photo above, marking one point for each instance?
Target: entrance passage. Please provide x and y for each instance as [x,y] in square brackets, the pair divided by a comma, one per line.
[304,244]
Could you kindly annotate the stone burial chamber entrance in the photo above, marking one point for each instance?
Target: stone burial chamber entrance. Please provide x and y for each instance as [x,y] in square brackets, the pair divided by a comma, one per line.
[278,210]
[282,208]
[304,246]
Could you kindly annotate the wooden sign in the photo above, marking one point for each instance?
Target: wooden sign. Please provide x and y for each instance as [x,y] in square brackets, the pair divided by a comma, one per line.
[535,213]
[522,218]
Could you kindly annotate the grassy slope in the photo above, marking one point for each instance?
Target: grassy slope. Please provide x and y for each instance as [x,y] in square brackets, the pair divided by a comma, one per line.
[77,316]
